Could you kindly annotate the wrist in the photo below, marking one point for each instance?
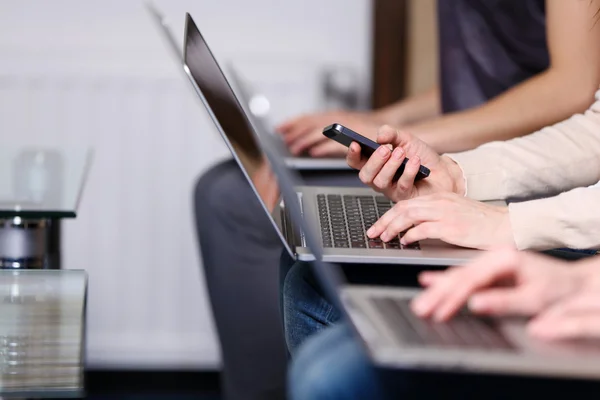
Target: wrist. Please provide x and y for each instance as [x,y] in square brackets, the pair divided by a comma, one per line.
[389,116]
[588,269]
[459,184]
[505,232]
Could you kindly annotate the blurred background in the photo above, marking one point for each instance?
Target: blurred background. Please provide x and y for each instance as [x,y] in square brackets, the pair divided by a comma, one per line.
[98,73]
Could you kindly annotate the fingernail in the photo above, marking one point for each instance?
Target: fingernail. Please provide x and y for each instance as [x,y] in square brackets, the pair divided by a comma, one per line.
[370,232]
[475,304]
[397,154]
[403,242]
[419,307]
[384,236]
[383,151]
[416,160]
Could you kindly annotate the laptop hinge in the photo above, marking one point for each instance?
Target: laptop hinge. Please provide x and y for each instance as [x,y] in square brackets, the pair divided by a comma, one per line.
[292,234]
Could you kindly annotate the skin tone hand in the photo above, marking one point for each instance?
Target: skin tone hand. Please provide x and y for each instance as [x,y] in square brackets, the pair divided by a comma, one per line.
[378,171]
[576,316]
[501,282]
[449,217]
[305,134]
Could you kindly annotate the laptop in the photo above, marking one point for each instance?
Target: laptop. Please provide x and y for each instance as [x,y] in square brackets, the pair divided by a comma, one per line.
[342,214]
[395,337]
[300,163]
[248,95]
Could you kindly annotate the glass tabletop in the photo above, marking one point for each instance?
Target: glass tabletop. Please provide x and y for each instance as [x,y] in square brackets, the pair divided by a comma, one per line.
[42,182]
[42,314]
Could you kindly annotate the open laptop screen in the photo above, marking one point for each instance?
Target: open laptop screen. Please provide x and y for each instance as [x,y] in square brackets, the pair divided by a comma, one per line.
[228,114]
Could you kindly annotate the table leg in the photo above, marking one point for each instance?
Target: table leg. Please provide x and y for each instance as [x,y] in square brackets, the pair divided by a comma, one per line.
[29,243]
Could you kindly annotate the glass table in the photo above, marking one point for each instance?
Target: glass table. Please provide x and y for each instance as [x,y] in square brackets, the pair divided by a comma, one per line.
[42,330]
[38,187]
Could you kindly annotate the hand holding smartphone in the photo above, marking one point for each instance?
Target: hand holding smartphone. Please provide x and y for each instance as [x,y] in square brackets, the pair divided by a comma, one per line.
[346,136]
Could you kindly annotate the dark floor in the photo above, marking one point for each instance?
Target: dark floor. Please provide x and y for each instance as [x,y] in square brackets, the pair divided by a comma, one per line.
[152,385]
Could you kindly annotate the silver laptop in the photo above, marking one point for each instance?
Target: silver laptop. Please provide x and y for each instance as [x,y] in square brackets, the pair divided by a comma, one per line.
[343,214]
[301,163]
[248,95]
[395,337]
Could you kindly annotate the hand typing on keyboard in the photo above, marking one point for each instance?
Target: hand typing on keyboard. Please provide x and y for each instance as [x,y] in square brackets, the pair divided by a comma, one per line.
[562,297]
[380,168]
[449,217]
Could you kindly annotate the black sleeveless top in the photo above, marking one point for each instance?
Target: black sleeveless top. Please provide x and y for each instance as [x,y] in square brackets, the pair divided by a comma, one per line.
[487,47]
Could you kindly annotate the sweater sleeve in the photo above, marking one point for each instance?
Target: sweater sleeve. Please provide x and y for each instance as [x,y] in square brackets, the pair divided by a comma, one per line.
[571,219]
[550,161]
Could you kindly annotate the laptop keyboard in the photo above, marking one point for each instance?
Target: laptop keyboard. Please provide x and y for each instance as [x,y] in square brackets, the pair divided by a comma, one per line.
[345,219]
[463,331]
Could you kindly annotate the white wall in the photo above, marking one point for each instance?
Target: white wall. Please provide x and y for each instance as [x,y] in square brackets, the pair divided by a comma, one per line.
[97,73]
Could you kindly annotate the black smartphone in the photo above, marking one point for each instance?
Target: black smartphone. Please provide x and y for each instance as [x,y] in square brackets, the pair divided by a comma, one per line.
[346,136]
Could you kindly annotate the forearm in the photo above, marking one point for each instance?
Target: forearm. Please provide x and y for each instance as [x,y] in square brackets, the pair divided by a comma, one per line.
[417,108]
[541,101]
[569,220]
[550,161]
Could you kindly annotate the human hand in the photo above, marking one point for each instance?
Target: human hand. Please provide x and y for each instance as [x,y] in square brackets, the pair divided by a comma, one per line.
[378,170]
[449,217]
[577,317]
[305,134]
[501,282]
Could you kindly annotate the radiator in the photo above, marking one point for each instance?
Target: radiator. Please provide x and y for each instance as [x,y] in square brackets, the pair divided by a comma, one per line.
[134,234]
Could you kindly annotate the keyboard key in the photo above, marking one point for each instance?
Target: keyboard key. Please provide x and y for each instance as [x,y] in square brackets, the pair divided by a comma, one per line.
[345,219]
[463,331]
[375,244]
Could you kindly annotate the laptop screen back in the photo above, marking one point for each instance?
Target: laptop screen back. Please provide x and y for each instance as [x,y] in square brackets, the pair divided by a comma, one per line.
[228,115]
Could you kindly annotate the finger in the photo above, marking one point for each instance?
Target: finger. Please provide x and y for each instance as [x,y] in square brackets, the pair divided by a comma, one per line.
[372,167]
[299,131]
[587,301]
[430,277]
[422,231]
[451,291]
[570,326]
[382,223]
[305,142]
[384,179]
[407,179]
[290,124]
[387,135]
[354,157]
[327,148]
[393,136]
[417,213]
[504,301]
[400,224]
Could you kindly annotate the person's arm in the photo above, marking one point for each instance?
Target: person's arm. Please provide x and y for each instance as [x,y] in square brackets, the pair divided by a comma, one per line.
[417,108]
[565,88]
[568,220]
[550,161]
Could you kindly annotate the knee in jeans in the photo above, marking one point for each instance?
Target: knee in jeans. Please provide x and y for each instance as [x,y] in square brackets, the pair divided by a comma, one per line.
[294,284]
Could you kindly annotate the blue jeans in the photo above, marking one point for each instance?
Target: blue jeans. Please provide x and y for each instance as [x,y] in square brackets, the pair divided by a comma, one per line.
[332,365]
[305,309]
